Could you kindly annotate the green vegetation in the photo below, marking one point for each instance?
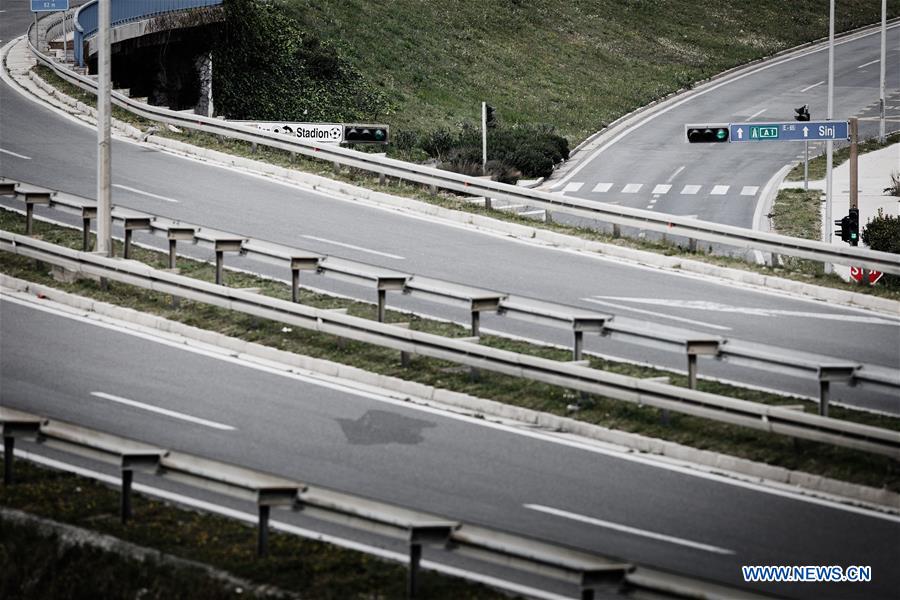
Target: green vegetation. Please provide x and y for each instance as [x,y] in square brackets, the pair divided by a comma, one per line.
[700,433]
[39,568]
[883,233]
[575,65]
[818,166]
[798,213]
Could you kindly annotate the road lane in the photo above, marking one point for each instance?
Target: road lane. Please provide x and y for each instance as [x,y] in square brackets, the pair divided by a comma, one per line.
[456,467]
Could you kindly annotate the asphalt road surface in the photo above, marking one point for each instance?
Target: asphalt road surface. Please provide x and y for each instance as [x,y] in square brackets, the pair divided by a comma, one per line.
[325,434]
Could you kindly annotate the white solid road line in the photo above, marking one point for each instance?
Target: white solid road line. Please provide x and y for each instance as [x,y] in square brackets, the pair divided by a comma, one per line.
[626,529]
[602,187]
[809,87]
[871,62]
[143,193]
[675,174]
[352,247]
[163,411]
[179,343]
[754,115]
[16,154]
[704,305]
[655,314]
[251,518]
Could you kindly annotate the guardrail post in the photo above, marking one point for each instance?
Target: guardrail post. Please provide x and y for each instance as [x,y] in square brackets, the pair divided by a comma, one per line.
[27,429]
[127,478]
[827,374]
[9,447]
[223,246]
[300,264]
[32,198]
[382,301]
[436,534]
[415,557]
[262,542]
[85,234]
[695,348]
[617,230]
[175,234]
[131,224]
[383,284]
[577,346]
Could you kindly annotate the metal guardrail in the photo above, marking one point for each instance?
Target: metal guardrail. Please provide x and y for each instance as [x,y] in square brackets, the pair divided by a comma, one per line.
[617,215]
[587,571]
[125,11]
[466,351]
[579,321]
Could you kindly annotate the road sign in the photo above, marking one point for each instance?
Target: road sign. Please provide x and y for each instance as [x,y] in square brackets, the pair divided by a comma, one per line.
[791,131]
[311,132]
[856,275]
[49,5]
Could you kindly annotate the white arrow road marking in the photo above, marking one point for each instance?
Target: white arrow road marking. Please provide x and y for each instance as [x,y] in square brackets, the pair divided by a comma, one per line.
[705,305]
[143,193]
[656,314]
[352,247]
[626,529]
[602,187]
[17,155]
[809,87]
[162,411]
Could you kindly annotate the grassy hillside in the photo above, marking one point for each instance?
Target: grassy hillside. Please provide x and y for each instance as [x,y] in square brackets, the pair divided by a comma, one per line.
[574,64]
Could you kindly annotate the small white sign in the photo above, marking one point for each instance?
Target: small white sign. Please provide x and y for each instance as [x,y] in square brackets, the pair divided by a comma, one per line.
[310,132]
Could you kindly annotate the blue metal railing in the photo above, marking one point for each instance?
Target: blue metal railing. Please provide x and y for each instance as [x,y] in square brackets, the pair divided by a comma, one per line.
[123,11]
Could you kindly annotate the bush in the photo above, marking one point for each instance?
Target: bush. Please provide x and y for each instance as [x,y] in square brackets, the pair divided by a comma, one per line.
[883,233]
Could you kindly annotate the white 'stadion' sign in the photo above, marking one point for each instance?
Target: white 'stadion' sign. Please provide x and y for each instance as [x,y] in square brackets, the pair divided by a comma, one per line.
[310,132]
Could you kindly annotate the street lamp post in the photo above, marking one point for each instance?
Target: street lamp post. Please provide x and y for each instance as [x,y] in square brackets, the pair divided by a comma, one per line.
[104,204]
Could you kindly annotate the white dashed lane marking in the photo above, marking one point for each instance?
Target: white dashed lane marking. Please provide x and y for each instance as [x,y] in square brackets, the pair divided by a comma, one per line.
[749,190]
[690,189]
[572,187]
[719,190]
[662,188]
[602,187]
[632,188]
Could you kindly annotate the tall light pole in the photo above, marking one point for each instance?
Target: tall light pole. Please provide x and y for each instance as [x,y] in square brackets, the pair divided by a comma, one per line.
[881,84]
[829,145]
[104,205]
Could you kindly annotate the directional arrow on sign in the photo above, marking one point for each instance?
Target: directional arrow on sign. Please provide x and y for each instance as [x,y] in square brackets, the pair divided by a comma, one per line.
[805,131]
[740,133]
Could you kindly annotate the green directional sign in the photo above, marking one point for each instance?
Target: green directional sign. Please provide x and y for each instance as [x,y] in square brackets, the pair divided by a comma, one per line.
[763,133]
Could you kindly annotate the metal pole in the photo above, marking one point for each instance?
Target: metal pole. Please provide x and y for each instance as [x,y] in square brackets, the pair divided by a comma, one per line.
[579,344]
[86,234]
[484,138]
[295,285]
[476,323]
[854,162]
[881,84]
[220,264]
[172,253]
[692,371]
[128,234]
[127,478]
[829,145]
[806,168]
[823,397]
[9,446]
[382,300]
[29,218]
[104,200]
[65,42]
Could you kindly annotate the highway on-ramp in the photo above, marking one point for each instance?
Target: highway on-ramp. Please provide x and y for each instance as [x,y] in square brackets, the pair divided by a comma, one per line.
[66,367]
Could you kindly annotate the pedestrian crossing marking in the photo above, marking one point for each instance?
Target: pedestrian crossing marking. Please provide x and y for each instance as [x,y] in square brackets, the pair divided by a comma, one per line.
[690,189]
[632,188]
[572,187]
[602,187]
[662,188]
[749,190]
[719,190]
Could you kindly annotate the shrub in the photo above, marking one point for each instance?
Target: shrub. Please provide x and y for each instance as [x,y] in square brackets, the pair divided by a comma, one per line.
[883,233]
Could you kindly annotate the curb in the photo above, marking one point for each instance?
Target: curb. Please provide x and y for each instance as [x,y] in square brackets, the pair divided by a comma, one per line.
[797,481]
[523,232]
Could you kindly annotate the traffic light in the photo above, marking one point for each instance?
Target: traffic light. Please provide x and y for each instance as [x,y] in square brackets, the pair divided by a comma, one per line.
[844,230]
[490,118]
[366,134]
[707,134]
[849,225]
[802,113]
[854,226]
